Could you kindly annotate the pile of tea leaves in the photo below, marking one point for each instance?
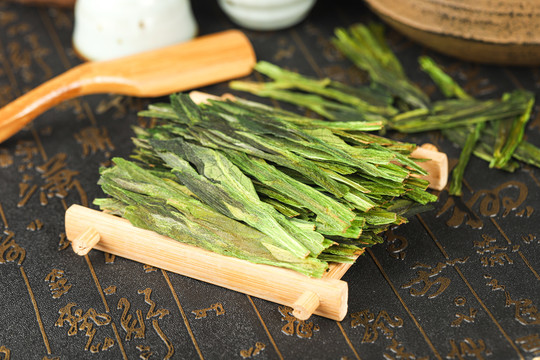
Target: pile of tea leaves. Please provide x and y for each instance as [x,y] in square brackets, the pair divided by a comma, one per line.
[491,129]
[262,184]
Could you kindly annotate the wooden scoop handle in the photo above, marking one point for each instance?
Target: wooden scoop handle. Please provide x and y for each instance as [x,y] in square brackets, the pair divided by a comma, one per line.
[203,61]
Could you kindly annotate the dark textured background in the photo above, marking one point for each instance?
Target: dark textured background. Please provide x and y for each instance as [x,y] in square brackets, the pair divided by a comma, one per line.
[458,282]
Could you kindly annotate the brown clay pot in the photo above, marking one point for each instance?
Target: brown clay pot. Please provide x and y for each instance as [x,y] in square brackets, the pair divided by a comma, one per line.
[488,31]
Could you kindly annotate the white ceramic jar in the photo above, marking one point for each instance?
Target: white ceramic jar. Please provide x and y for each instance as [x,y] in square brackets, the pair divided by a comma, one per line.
[266,14]
[107,29]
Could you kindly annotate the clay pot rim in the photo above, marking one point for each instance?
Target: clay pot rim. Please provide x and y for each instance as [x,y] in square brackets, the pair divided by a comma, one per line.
[406,21]
[531,53]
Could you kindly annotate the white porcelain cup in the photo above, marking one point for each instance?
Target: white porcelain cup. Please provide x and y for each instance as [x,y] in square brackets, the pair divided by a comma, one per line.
[107,29]
[266,14]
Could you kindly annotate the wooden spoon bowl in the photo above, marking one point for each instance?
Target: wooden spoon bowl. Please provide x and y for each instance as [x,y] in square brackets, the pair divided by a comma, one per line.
[504,32]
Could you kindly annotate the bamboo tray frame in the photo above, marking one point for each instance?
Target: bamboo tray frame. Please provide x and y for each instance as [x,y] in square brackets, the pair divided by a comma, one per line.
[92,229]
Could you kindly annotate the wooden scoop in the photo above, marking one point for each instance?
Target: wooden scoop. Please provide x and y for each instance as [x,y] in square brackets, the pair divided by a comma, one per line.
[203,61]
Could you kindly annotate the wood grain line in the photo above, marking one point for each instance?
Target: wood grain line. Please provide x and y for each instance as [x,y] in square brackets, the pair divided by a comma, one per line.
[45,19]
[53,34]
[184,317]
[535,179]
[527,263]
[102,294]
[39,144]
[501,231]
[89,113]
[265,327]
[420,328]
[3,216]
[96,281]
[506,336]
[119,341]
[349,342]
[36,310]
[9,70]
[513,78]
[433,237]
[307,54]
[471,289]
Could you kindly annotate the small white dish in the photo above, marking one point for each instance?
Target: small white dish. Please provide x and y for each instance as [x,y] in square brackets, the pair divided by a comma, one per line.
[108,29]
[266,14]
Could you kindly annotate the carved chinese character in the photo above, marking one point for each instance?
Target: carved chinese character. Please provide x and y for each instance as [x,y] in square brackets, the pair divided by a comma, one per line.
[5,353]
[7,17]
[399,352]
[59,180]
[63,243]
[301,328]
[428,280]
[284,52]
[35,225]
[21,59]
[149,268]
[485,246]
[157,315]
[84,322]
[6,159]
[110,290]
[58,284]
[497,255]
[529,239]
[25,193]
[396,245]
[145,352]
[494,283]
[525,312]
[530,343]
[10,251]
[252,351]
[462,317]
[93,139]
[373,325]
[38,54]
[26,148]
[160,313]
[135,328]
[218,308]
[18,29]
[490,203]
[109,258]
[468,348]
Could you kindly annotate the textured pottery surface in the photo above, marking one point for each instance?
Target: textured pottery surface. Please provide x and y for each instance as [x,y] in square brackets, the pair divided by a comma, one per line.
[499,32]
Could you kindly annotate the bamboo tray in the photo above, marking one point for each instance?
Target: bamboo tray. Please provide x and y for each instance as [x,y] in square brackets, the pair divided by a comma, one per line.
[92,229]
[88,228]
